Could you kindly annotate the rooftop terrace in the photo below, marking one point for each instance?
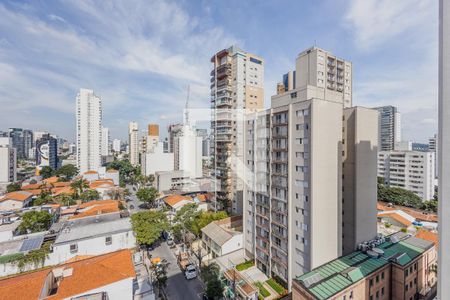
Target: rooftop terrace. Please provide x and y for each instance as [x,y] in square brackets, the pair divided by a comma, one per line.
[335,276]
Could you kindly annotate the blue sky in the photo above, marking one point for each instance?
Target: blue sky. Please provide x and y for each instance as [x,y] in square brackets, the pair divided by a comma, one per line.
[139,56]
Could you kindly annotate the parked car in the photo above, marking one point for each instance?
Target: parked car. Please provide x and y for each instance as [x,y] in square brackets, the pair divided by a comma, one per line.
[190,272]
[170,242]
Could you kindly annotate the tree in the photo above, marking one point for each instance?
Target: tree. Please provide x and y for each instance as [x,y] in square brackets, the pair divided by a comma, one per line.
[126,170]
[148,195]
[210,275]
[148,226]
[204,218]
[67,172]
[398,196]
[35,221]
[431,205]
[159,273]
[214,289]
[44,197]
[12,187]
[89,195]
[64,199]
[79,186]
[46,172]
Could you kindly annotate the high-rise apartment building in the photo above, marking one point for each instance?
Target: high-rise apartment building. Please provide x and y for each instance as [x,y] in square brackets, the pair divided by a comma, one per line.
[174,130]
[409,170]
[47,152]
[89,130]
[237,86]
[28,143]
[307,158]
[443,151]
[106,142]
[188,152]
[17,141]
[390,127]
[8,164]
[433,147]
[116,145]
[152,137]
[133,143]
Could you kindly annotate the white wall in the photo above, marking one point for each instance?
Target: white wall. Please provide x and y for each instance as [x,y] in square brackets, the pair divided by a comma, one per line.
[188,152]
[12,204]
[8,170]
[157,161]
[120,290]
[93,246]
[235,243]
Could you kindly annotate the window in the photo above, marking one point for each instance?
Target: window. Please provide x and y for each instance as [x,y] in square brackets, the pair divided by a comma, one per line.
[377,279]
[73,248]
[382,291]
[371,282]
[406,273]
[108,240]
[406,287]
[377,294]
[382,275]
[351,295]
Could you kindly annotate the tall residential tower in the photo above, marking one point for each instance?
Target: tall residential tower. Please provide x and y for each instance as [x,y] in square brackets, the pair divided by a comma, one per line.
[89,130]
[304,155]
[390,127]
[237,86]
[133,143]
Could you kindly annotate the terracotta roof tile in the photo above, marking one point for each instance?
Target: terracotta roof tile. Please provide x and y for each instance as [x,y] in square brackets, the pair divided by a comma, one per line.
[88,274]
[19,196]
[174,199]
[428,236]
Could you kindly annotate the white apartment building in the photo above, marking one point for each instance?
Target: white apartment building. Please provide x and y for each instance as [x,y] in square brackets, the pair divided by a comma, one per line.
[133,143]
[8,164]
[89,130]
[433,147]
[188,152]
[390,127]
[157,160]
[237,86]
[409,170]
[106,142]
[296,156]
[116,145]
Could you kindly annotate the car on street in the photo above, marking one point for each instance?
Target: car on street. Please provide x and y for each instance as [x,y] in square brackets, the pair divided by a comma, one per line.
[190,272]
[170,242]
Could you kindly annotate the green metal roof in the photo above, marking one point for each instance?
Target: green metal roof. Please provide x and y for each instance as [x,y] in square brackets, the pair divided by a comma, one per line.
[335,276]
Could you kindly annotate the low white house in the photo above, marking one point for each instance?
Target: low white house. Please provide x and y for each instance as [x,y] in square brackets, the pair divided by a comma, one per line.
[15,200]
[92,236]
[223,236]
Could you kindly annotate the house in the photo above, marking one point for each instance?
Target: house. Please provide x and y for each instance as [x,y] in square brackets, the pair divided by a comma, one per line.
[94,208]
[175,202]
[236,283]
[109,276]
[223,236]
[15,200]
[397,218]
[94,235]
[103,187]
[8,230]
[102,173]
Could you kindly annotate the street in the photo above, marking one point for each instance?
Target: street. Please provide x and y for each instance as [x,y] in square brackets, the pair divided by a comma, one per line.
[178,287]
[134,201]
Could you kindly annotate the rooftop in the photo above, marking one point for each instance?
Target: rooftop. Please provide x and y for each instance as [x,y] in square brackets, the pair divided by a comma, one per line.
[89,227]
[77,277]
[335,276]
[222,231]
[18,196]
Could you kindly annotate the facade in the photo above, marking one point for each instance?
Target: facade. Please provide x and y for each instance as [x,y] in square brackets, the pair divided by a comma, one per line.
[309,139]
[223,236]
[92,236]
[106,142]
[187,150]
[433,147]
[116,145]
[89,130]
[171,180]
[17,141]
[444,150]
[28,143]
[174,130]
[152,137]
[237,86]
[8,164]
[47,152]
[157,160]
[133,143]
[410,170]
[400,268]
[390,130]
[15,200]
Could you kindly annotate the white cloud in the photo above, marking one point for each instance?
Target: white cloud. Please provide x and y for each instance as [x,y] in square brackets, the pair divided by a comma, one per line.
[375,22]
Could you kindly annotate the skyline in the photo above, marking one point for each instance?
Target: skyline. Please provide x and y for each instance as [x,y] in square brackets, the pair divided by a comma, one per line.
[140,58]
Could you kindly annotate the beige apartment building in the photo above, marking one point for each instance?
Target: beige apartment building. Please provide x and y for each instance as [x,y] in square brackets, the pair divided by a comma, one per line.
[133,143]
[307,158]
[401,267]
[237,86]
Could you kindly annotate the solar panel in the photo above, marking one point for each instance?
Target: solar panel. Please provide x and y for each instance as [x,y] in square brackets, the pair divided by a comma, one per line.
[32,243]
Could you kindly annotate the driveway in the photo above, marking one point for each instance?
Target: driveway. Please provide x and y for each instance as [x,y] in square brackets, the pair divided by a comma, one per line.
[178,287]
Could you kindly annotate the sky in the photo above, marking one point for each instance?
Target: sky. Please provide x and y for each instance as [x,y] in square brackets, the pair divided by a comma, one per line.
[140,56]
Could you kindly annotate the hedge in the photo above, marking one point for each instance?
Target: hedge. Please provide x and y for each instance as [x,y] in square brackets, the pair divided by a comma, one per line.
[276,286]
[262,290]
[245,265]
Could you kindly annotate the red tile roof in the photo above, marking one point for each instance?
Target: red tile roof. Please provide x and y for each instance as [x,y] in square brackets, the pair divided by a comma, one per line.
[87,274]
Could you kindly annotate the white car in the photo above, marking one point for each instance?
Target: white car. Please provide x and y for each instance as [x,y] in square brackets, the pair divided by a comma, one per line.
[190,272]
